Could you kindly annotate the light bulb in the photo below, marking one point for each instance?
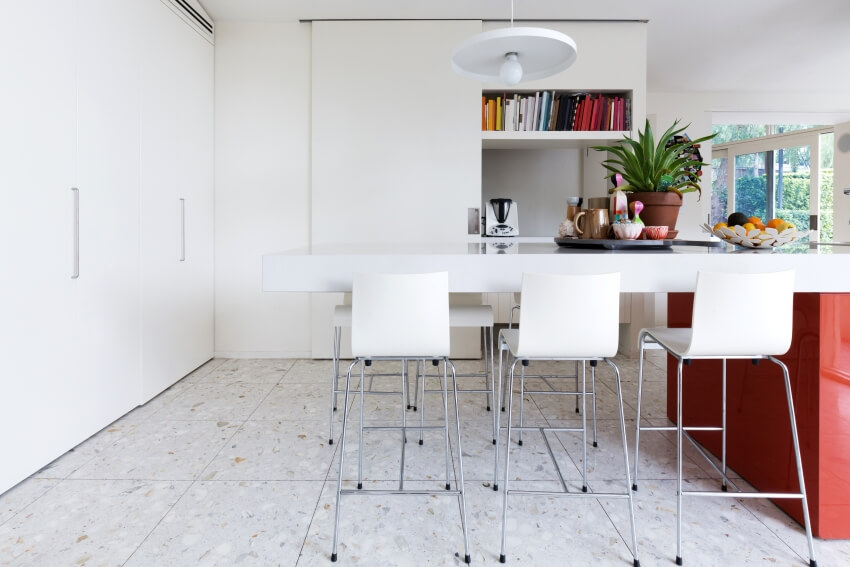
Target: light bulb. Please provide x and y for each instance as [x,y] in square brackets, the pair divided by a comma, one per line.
[511,70]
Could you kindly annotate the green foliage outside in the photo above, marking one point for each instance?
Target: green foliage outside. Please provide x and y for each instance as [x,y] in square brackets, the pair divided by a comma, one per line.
[750,199]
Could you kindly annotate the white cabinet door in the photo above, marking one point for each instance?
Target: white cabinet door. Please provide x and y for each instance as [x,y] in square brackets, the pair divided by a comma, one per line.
[106,326]
[176,200]
[36,176]
[396,133]
[396,141]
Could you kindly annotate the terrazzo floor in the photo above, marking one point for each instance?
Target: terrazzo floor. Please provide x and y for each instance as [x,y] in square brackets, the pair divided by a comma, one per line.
[231,466]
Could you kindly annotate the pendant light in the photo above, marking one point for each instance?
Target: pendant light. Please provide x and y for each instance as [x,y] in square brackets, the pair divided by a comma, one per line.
[511,55]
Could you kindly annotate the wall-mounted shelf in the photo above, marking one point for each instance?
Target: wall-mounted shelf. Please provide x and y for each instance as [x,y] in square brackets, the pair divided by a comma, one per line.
[546,140]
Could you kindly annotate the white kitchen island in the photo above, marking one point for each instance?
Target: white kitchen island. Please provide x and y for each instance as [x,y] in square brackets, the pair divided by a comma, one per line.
[482,267]
[818,360]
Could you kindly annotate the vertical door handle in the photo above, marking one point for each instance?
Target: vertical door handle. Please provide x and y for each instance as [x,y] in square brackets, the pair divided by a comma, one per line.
[75,221]
[182,230]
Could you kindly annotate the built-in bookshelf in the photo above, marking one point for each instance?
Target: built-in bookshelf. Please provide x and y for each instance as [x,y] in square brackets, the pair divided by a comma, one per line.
[554,111]
[554,118]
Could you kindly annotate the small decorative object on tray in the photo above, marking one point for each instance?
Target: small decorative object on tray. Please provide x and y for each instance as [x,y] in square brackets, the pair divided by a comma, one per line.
[567,228]
[626,230]
[656,232]
[751,235]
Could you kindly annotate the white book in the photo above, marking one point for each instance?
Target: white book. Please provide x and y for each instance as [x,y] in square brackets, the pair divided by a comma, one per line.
[509,115]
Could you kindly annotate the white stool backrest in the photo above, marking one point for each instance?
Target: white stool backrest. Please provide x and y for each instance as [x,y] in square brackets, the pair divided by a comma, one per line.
[569,316]
[400,315]
[739,314]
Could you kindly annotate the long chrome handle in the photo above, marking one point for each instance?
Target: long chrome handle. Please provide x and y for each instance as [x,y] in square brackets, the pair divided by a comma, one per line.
[75,265]
[182,230]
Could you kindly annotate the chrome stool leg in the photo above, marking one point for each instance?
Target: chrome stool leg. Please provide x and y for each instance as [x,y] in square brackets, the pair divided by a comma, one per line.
[342,456]
[509,404]
[584,423]
[593,394]
[799,461]
[641,354]
[337,331]
[461,490]
[626,461]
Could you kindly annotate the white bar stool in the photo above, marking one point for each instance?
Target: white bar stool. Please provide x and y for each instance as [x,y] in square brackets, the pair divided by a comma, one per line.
[720,298]
[546,378]
[401,317]
[547,301]
[460,316]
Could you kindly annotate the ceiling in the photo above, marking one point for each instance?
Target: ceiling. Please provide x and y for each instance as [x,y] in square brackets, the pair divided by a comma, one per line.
[789,46]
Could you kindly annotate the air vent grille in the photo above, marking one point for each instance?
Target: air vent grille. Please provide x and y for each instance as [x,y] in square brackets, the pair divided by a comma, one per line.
[194,16]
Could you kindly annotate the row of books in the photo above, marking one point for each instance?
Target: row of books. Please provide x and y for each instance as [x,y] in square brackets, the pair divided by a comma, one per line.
[548,111]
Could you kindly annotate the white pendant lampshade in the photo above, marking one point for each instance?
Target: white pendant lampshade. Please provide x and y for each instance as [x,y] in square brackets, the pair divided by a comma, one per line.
[511,55]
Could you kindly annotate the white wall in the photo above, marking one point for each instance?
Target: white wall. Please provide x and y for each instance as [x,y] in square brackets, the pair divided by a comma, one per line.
[538,180]
[262,164]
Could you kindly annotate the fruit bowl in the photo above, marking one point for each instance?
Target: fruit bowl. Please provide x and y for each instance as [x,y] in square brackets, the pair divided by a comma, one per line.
[755,238]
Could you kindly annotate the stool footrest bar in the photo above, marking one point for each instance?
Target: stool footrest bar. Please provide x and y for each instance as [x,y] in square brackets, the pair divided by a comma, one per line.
[790,495]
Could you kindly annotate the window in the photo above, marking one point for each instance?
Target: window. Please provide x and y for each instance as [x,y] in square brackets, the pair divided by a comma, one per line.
[787,174]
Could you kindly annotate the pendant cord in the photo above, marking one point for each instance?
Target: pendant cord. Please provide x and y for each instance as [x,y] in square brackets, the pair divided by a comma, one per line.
[512,13]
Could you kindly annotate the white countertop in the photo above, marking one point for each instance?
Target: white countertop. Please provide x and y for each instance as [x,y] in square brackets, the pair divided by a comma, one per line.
[486,267]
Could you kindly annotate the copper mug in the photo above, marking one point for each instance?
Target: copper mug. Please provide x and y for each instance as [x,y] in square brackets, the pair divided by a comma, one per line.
[592,223]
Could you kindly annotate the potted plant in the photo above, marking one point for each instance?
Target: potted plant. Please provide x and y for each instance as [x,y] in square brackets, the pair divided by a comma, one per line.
[656,173]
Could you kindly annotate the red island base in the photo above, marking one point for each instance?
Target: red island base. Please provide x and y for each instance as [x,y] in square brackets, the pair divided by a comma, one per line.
[759,446]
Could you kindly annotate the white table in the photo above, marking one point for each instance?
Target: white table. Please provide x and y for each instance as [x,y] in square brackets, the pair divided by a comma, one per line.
[482,268]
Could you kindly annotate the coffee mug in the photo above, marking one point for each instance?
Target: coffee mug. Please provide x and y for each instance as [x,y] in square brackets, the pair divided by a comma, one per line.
[598,203]
[592,223]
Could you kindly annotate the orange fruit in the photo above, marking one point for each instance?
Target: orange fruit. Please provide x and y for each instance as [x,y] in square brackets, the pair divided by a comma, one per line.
[720,225]
[773,223]
[756,222]
[748,226]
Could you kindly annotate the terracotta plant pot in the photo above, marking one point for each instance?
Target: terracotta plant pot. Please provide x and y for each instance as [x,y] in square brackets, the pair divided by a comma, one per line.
[660,208]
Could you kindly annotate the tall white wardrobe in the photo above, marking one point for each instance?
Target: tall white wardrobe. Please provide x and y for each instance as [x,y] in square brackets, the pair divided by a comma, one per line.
[106,243]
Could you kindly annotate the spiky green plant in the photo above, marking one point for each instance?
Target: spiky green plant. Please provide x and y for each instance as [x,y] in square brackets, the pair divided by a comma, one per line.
[647,166]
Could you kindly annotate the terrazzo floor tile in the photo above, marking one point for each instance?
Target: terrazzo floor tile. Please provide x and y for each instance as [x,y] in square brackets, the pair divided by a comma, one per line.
[386,530]
[531,461]
[654,370]
[544,530]
[827,552]
[716,531]
[312,372]
[232,524]
[212,401]
[87,523]
[274,450]
[89,449]
[161,450]
[605,462]
[249,371]
[22,495]
[205,369]
[154,405]
[382,455]
[690,452]
[243,507]
[559,407]
[295,402]
[653,403]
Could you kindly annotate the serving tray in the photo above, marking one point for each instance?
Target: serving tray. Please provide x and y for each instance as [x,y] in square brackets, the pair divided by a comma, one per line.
[613,244]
